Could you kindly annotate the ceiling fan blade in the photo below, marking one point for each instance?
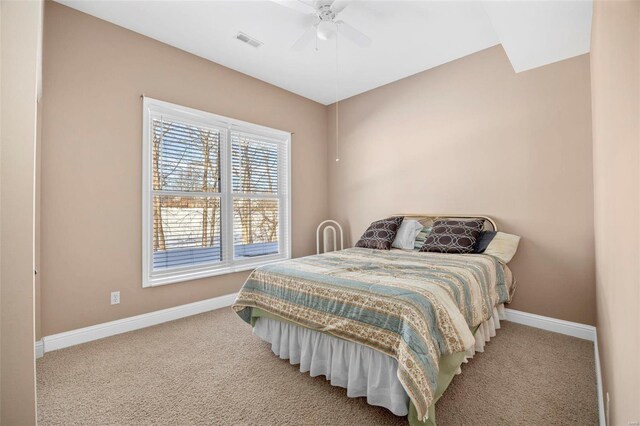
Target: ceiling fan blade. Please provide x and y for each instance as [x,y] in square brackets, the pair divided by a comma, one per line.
[352,34]
[339,5]
[297,5]
[308,20]
[305,38]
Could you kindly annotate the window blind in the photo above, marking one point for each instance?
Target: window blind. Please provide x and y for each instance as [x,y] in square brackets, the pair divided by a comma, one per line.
[256,208]
[215,194]
[186,158]
[186,161]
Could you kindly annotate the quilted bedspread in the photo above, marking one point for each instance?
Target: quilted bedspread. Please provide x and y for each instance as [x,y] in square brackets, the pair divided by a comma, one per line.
[412,306]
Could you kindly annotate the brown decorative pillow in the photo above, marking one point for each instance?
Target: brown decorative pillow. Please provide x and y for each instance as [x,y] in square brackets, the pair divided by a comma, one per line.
[380,234]
[453,236]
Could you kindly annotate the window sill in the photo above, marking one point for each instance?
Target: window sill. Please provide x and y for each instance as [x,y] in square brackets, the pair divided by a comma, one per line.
[178,277]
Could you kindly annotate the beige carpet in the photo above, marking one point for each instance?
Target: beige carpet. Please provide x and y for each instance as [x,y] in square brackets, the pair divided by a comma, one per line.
[210,369]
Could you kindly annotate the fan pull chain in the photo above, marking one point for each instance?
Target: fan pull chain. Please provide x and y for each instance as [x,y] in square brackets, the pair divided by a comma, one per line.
[337,104]
[337,135]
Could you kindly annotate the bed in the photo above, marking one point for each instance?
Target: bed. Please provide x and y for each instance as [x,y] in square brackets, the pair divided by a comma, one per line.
[392,326]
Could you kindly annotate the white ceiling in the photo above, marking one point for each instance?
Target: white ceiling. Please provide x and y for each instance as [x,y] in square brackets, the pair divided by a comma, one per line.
[408,37]
[537,33]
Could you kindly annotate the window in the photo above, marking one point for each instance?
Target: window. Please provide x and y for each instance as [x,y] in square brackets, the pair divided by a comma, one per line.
[215,194]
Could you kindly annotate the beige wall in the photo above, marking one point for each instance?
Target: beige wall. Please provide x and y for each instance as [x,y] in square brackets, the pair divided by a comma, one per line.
[38,182]
[20,26]
[615,70]
[472,136]
[94,73]
[1,77]
[469,136]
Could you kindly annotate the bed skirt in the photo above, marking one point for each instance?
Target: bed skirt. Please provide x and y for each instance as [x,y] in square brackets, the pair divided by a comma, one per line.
[363,371]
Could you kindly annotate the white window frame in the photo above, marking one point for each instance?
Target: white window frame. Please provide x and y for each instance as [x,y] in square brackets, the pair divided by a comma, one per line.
[154,107]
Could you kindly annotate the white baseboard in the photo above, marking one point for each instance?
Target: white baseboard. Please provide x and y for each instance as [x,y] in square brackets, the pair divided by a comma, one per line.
[99,331]
[582,331]
[601,412]
[39,349]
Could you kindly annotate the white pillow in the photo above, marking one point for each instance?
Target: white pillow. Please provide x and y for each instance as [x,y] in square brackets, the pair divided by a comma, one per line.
[406,235]
[503,246]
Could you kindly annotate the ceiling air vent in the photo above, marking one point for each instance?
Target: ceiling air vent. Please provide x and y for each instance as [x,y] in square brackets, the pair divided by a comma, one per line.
[248,40]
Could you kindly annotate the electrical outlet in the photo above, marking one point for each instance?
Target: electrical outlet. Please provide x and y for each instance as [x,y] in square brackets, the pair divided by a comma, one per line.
[115,297]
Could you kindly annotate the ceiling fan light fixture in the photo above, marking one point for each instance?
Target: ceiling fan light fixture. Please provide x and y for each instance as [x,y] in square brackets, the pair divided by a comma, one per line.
[326,30]
[326,25]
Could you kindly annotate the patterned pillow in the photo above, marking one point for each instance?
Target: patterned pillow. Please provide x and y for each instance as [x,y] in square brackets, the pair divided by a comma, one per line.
[453,236]
[483,241]
[422,235]
[380,234]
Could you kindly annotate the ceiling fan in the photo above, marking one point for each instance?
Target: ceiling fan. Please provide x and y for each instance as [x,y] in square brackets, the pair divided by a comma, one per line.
[323,24]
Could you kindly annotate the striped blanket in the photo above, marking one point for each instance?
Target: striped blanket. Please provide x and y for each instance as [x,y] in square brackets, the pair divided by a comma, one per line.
[412,306]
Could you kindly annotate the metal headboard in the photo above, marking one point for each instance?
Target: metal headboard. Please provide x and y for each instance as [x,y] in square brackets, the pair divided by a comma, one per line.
[328,226]
[423,216]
